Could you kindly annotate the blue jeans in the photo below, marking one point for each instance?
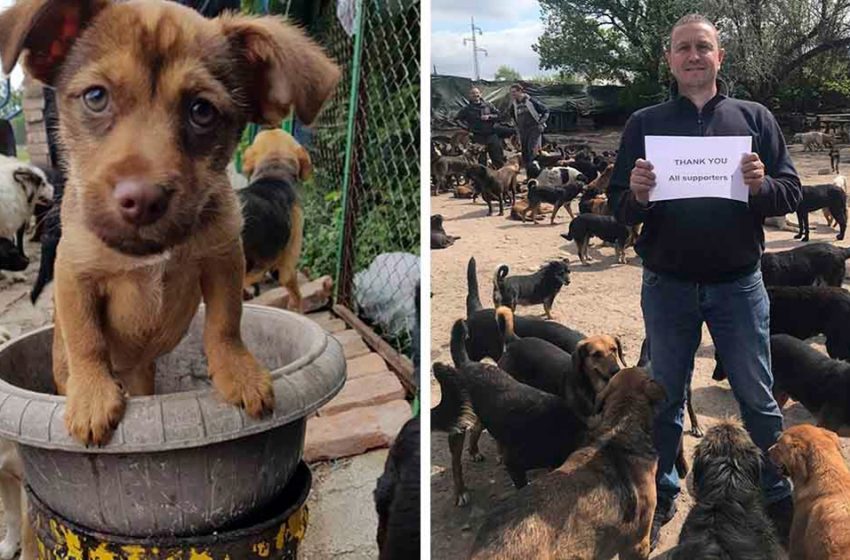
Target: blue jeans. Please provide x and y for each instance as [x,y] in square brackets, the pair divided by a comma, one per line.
[738,318]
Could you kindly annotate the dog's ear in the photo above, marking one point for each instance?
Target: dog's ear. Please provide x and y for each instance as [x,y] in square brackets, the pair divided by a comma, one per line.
[286,67]
[305,164]
[46,29]
[249,161]
[620,351]
[579,356]
[28,180]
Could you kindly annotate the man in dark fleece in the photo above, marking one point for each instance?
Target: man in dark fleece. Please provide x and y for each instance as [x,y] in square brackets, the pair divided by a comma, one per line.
[701,258]
[530,116]
[481,116]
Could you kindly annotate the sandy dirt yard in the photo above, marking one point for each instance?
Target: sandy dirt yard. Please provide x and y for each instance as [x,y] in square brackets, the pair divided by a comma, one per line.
[601,298]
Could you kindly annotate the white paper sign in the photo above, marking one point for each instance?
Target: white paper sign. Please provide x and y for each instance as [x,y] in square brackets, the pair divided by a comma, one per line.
[698,166]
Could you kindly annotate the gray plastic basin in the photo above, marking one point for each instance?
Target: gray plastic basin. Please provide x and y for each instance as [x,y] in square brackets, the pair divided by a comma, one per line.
[182,462]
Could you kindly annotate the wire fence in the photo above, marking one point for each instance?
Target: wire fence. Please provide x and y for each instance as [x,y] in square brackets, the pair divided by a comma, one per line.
[362,206]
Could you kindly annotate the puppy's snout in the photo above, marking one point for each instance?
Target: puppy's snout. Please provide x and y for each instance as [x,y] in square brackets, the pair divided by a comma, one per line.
[140,203]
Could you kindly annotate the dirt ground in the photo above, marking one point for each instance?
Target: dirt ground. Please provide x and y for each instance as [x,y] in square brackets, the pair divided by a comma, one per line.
[601,298]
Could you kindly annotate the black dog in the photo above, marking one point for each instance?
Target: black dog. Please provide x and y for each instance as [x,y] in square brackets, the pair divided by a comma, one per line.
[728,519]
[532,361]
[51,233]
[827,196]
[533,428]
[805,266]
[807,311]
[485,339]
[439,238]
[397,496]
[531,289]
[454,416]
[607,228]
[819,383]
[557,196]
[11,258]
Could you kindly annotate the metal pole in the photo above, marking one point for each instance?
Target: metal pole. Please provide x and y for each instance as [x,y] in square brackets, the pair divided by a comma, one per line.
[349,149]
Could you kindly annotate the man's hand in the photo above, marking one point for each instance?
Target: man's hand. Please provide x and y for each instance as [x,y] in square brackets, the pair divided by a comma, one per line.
[642,180]
[753,170]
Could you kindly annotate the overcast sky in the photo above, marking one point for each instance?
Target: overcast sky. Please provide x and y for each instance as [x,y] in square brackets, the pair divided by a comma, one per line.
[509,29]
[17,73]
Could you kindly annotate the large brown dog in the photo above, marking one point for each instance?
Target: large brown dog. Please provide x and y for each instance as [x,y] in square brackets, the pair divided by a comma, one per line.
[152,101]
[811,456]
[600,502]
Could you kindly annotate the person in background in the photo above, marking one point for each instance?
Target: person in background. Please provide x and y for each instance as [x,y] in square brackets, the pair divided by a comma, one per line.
[480,117]
[529,116]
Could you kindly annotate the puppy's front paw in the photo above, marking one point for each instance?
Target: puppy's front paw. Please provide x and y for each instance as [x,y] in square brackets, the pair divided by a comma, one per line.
[95,407]
[462,499]
[245,383]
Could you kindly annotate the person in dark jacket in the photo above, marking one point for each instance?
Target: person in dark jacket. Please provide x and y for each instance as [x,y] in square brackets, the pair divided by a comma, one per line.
[530,117]
[701,257]
[481,116]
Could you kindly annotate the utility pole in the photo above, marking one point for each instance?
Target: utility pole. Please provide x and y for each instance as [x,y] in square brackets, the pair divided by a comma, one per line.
[475,48]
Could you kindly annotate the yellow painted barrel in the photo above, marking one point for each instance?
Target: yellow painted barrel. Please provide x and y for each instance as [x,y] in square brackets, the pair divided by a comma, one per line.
[273,535]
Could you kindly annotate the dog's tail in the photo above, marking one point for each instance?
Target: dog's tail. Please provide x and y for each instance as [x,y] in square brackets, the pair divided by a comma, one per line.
[473,300]
[458,344]
[500,274]
[569,235]
[505,319]
[532,185]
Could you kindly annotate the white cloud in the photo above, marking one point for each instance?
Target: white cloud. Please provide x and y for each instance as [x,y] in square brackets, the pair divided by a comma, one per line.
[511,47]
[493,10]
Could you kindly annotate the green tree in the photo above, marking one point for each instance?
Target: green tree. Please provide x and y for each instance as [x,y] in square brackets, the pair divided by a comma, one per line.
[620,40]
[508,74]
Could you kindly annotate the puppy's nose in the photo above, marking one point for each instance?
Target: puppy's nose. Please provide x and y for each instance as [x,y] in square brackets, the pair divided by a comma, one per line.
[140,203]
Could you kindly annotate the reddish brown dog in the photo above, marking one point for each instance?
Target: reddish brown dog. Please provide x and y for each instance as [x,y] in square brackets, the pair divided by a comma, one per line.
[152,101]
[812,457]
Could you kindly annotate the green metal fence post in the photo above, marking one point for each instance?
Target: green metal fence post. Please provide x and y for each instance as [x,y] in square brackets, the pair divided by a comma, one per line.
[344,272]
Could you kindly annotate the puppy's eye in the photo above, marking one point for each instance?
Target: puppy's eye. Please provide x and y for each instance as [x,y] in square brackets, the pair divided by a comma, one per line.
[96,99]
[202,113]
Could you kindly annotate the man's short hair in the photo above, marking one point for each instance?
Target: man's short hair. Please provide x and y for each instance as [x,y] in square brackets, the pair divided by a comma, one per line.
[693,18]
[516,87]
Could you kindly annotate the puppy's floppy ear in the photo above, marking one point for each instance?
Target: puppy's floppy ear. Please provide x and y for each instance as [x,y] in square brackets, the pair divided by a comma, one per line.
[620,351]
[579,356]
[305,164]
[249,161]
[286,67]
[46,29]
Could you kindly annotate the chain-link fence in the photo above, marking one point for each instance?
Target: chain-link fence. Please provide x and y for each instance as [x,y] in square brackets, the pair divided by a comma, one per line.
[362,205]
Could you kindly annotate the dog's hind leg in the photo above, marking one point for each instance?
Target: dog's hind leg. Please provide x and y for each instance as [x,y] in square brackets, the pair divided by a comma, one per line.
[474,436]
[800,214]
[547,306]
[696,431]
[555,211]
[569,206]
[515,471]
[456,449]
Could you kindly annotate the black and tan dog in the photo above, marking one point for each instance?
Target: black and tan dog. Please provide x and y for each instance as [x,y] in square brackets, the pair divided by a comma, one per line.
[556,196]
[597,504]
[273,218]
[585,226]
[534,429]
[485,339]
[728,519]
[439,238]
[816,197]
[818,263]
[819,383]
[531,289]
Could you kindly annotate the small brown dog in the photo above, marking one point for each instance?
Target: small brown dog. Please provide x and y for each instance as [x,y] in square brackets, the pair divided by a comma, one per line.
[274,220]
[152,100]
[812,457]
[600,502]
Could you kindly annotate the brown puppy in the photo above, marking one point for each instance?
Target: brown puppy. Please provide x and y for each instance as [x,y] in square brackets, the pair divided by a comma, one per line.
[600,502]
[152,99]
[274,219]
[811,456]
